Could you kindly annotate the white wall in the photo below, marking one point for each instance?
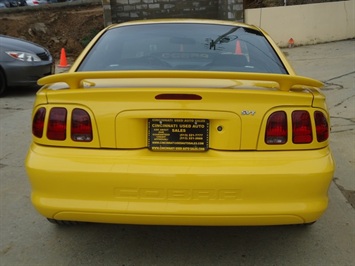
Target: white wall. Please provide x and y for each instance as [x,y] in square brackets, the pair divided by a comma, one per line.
[306,24]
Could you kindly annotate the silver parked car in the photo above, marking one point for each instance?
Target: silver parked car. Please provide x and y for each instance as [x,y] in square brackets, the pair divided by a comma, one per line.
[9,3]
[36,2]
[22,63]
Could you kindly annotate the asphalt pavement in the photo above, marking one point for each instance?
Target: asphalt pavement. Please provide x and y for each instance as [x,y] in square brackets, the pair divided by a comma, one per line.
[26,238]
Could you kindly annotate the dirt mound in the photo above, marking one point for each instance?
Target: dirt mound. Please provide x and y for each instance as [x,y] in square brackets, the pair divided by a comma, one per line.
[55,28]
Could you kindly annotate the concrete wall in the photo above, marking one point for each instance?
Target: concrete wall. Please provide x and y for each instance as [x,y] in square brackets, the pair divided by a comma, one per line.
[306,24]
[124,10]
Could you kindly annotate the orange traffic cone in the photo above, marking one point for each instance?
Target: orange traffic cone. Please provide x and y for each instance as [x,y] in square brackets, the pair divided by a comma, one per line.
[238,48]
[291,43]
[63,59]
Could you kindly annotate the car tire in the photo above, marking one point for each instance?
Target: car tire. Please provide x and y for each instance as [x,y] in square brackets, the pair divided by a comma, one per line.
[3,86]
[304,225]
[62,222]
[309,224]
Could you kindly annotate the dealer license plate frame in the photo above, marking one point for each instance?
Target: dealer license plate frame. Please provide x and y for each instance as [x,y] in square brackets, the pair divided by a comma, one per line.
[178,134]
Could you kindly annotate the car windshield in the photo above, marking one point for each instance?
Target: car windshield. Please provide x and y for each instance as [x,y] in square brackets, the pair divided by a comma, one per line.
[183,46]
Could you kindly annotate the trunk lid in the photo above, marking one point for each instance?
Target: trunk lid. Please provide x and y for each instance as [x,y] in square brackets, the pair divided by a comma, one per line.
[123,110]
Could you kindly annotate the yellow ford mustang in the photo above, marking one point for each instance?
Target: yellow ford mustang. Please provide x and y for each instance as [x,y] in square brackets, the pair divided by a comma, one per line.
[180,122]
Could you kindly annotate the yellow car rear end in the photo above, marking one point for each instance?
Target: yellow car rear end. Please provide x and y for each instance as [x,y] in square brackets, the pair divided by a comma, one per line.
[202,144]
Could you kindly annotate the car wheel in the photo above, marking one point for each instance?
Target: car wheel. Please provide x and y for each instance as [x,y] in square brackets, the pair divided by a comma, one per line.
[309,224]
[62,222]
[304,225]
[3,86]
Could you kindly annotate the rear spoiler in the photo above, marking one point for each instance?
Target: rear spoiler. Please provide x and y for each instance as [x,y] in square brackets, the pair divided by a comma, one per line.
[75,79]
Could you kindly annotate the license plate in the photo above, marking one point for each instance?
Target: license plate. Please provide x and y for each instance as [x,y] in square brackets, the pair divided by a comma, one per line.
[168,134]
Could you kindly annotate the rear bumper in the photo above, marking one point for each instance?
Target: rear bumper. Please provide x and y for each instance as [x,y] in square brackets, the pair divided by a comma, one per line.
[210,188]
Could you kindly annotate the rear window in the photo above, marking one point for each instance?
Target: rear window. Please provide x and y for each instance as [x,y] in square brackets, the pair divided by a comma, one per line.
[201,47]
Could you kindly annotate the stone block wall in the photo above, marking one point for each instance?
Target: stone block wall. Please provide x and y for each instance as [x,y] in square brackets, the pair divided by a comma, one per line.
[116,11]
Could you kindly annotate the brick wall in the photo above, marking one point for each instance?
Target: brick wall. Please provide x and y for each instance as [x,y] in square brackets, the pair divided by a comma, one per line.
[116,11]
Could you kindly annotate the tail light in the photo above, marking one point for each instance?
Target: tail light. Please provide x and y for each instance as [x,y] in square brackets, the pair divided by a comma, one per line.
[80,126]
[276,128]
[57,124]
[38,122]
[301,127]
[81,129]
[322,128]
